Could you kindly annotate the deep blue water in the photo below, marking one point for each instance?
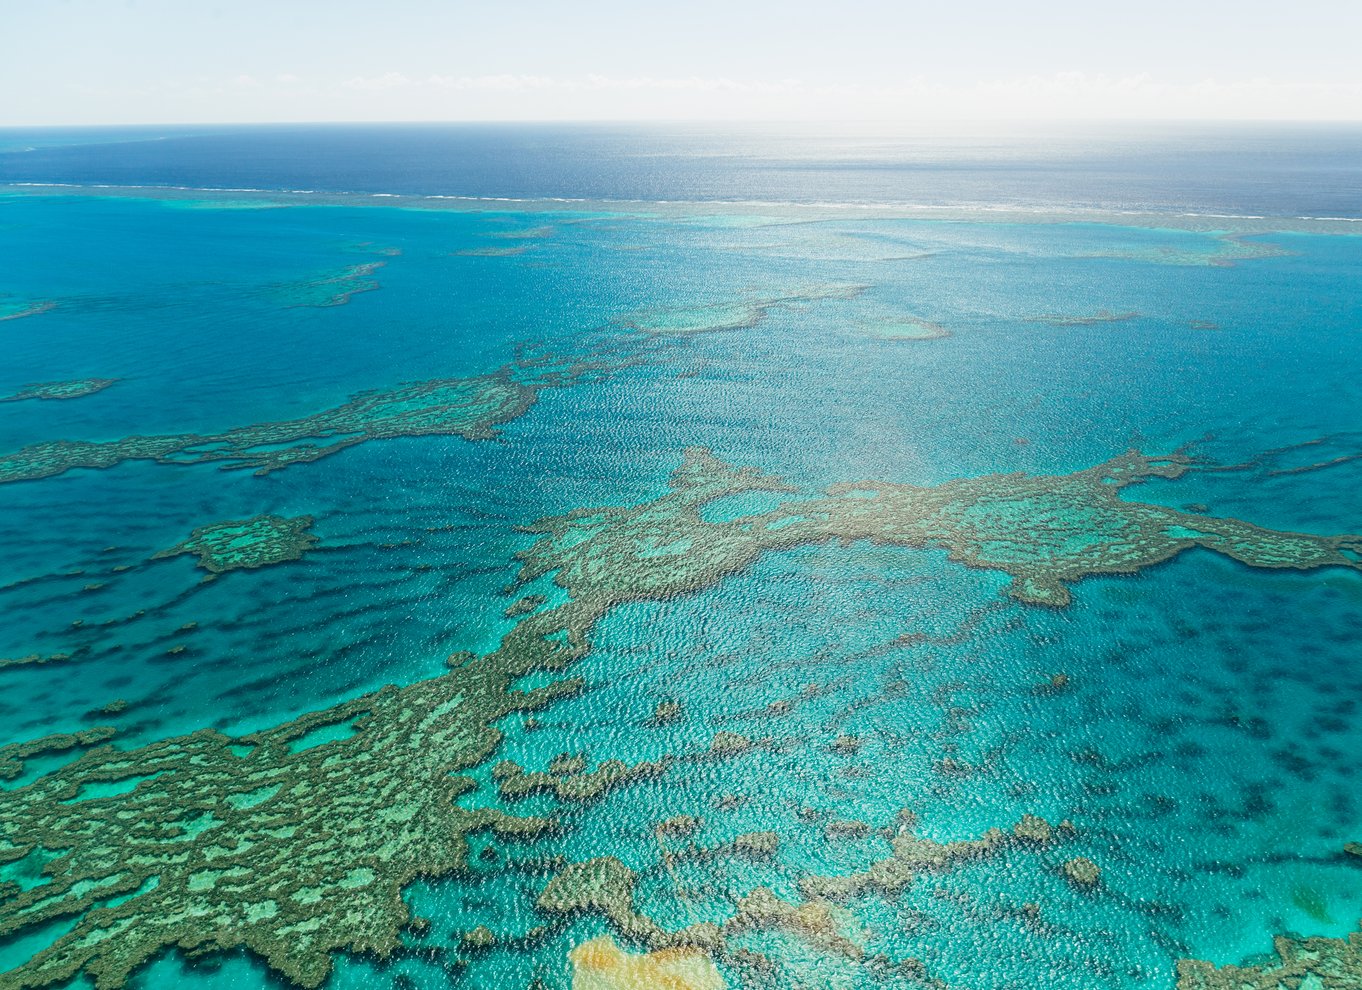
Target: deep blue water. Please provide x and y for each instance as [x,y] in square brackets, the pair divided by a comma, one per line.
[1276,170]
[1203,748]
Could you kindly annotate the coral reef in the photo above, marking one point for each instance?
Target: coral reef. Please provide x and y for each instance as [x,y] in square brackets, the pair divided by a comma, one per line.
[1034,829]
[33,659]
[1315,963]
[909,856]
[492,252]
[477,938]
[525,233]
[289,849]
[247,543]
[748,846]
[666,712]
[729,744]
[467,407]
[605,887]
[1083,873]
[906,328]
[1092,319]
[571,781]
[15,309]
[825,927]
[521,606]
[12,756]
[74,389]
[1045,531]
[1221,250]
[295,846]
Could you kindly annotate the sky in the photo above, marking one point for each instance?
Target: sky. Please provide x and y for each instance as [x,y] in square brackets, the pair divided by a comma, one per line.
[72,62]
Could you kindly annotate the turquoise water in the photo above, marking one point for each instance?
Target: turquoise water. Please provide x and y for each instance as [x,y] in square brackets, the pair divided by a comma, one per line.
[1200,741]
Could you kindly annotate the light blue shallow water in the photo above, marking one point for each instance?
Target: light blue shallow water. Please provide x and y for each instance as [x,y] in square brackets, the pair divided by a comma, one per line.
[1204,747]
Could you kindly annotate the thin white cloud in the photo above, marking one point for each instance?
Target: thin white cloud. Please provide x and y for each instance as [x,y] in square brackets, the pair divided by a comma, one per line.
[388,80]
[398,95]
[502,83]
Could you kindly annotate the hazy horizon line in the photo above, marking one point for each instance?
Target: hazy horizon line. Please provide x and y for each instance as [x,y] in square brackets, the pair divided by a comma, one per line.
[731,122]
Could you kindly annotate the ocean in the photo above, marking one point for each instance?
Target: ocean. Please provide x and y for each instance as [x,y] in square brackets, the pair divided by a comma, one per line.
[596,556]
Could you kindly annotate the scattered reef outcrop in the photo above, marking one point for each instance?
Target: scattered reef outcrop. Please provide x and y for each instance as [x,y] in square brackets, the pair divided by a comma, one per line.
[819,919]
[247,543]
[1301,964]
[72,389]
[298,841]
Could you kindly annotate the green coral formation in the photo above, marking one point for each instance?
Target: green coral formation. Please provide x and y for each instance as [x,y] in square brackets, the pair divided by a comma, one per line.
[33,659]
[74,389]
[248,543]
[569,780]
[12,757]
[1304,963]
[467,407]
[1045,531]
[289,850]
[297,841]
[1083,873]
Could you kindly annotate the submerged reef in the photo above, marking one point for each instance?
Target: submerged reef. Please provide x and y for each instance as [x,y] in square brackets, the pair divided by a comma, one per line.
[907,328]
[1090,319]
[1045,531]
[492,252]
[297,841]
[568,779]
[74,389]
[1305,963]
[332,289]
[247,543]
[33,659]
[467,407]
[819,918]
[685,320]
[1222,250]
[525,233]
[529,236]
[17,309]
